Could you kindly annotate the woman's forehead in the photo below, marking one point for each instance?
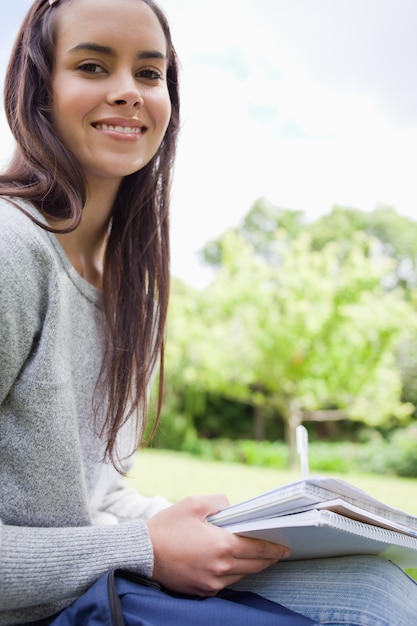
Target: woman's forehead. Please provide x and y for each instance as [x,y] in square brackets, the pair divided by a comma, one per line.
[131,21]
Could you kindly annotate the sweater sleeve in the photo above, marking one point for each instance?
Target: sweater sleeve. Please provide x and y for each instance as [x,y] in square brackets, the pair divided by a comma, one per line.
[120,503]
[123,504]
[51,566]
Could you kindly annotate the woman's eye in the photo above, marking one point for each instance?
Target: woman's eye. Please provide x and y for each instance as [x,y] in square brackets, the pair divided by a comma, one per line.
[149,74]
[90,68]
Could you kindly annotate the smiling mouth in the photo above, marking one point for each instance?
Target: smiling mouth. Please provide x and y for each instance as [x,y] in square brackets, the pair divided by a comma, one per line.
[125,130]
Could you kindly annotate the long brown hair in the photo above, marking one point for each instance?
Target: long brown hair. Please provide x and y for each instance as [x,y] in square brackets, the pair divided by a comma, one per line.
[136,268]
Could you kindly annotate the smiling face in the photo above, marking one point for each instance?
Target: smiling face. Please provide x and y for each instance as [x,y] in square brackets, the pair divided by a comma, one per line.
[111,105]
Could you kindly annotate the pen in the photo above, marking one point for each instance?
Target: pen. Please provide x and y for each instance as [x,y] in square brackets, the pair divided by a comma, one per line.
[301,434]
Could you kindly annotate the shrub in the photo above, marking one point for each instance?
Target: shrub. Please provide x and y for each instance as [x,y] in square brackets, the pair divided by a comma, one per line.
[403,452]
[396,454]
[335,457]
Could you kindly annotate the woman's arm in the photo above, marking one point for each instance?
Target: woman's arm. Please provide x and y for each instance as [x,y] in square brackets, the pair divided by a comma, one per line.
[54,565]
[121,503]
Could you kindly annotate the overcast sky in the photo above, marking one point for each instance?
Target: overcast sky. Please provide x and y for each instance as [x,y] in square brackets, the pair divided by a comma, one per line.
[309,103]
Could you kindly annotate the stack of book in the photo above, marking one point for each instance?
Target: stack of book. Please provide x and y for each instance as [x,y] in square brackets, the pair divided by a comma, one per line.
[320,517]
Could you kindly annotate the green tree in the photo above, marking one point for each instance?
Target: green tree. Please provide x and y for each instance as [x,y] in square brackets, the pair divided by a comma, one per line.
[318,330]
[259,228]
[396,235]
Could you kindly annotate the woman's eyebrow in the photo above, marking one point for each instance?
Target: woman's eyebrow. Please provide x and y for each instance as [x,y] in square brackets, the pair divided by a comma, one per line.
[111,52]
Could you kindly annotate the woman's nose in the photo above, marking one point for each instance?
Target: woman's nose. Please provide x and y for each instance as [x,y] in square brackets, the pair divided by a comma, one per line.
[126,91]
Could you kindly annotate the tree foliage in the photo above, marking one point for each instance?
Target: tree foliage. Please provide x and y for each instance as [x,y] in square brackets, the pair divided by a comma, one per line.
[296,321]
[394,234]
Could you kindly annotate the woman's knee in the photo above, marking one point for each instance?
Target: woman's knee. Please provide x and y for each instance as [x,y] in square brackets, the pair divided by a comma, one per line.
[352,590]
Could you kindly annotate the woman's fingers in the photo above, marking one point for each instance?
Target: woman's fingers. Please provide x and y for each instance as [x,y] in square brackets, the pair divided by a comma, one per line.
[249,548]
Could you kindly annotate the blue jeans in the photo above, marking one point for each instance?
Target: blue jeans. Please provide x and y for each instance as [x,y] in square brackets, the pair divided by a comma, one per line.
[344,591]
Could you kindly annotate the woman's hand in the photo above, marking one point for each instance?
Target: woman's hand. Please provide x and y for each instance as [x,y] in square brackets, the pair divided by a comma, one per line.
[193,556]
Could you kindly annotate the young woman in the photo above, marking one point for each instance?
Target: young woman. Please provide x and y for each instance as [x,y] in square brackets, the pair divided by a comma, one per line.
[91,96]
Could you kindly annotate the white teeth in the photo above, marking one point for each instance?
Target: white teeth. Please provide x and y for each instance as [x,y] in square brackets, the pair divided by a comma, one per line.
[127,130]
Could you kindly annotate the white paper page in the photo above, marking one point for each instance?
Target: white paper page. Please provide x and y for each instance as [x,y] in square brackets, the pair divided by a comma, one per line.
[302,494]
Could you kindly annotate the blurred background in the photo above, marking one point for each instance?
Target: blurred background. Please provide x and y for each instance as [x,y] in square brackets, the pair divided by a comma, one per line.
[294,240]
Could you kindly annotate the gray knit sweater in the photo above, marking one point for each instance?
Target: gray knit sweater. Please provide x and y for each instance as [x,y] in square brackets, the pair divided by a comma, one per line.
[66,517]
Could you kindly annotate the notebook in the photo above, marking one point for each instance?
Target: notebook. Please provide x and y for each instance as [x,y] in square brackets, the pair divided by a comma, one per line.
[321,517]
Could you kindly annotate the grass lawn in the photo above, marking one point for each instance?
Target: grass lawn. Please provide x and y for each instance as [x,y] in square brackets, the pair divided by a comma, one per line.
[176,475]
